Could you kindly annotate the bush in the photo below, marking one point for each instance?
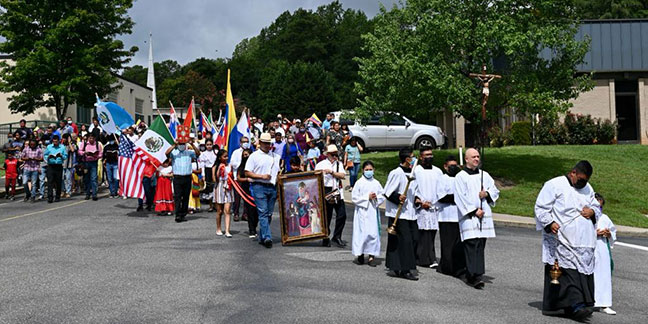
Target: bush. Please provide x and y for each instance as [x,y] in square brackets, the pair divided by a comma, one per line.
[549,131]
[495,137]
[580,129]
[520,133]
[606,132]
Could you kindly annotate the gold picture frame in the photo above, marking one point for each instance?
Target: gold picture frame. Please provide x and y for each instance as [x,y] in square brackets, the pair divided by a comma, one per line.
[302,214]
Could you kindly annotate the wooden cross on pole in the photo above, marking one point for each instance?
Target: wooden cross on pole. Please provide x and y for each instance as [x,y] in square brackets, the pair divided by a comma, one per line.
[484,80]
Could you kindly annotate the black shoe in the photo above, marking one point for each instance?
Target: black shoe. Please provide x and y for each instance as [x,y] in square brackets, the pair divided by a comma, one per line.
[87,197]
[26,199]
[178,219]
[149,208]
[94,198]
[360,260]
[394,274]
[581,314]
[267,244]
[57,199]
[339,242]
[409,276]
[479,285]
[140,208]
[32,199]
[49,201]
[326,242]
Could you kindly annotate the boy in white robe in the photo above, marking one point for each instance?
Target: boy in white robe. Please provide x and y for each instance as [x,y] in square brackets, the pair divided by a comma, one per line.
[475,194]
[566,211]
[453,259]
[603,266]
[428,179]
[367,195]
[401,255]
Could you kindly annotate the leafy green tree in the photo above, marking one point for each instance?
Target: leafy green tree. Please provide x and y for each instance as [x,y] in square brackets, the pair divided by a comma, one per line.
[298,89]
[180,90]
[421,55]
[63,51]
[163,70]
[136,73]
[612,9]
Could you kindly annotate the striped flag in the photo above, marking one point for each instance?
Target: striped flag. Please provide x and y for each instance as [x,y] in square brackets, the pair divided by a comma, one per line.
[131,168]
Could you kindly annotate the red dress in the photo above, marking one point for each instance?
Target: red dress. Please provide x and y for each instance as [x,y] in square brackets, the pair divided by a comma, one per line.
[164,193]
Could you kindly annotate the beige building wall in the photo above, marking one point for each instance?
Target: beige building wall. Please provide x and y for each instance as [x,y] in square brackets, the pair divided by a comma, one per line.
[598,102]
[643,111]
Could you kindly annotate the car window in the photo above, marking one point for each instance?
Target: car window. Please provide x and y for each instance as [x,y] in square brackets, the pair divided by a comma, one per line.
[374,120]
[397,121]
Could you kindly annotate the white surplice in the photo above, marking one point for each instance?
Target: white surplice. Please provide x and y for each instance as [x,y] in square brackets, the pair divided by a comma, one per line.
[428,182]
[574,245]
[466,193]
[602,261]
[447,212]
[366,217]
[396,182]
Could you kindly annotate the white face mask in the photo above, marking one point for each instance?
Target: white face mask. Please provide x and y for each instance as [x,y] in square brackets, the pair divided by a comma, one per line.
[182,147]
[245,145]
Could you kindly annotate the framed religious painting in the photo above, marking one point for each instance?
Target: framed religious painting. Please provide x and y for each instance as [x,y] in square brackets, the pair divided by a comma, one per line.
[301,207]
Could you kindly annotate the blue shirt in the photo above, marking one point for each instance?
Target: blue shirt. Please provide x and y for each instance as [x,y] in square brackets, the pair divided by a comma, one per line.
[181,161]
[326,124]
[51,150]
[353,153]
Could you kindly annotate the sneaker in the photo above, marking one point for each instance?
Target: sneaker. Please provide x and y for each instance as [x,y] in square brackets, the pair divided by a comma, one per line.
[124,197]
[12,198]
[219,233]
[607,310]
[252,236]
[434,265]
[228,235]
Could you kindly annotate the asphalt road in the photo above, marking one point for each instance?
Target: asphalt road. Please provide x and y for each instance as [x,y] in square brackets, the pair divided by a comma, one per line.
[81,261]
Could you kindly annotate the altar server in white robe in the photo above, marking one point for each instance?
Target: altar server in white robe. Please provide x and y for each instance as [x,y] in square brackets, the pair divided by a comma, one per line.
[401,256]
[566,211]
[474,199]
[428,179]
[453,259]
[367,195]
[603,266]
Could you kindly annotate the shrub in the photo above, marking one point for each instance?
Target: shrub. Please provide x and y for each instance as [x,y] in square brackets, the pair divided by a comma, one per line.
[549,131]
[606,132]
[580,129]
[520,133]
[495,137]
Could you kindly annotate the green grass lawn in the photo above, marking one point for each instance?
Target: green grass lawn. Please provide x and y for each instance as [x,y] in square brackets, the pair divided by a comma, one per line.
[620,175]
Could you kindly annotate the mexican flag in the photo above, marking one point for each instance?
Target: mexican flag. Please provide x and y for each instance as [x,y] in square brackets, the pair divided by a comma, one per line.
[155,141]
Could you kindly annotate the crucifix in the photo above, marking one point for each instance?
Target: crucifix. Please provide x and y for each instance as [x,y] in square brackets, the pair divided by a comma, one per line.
[484,80]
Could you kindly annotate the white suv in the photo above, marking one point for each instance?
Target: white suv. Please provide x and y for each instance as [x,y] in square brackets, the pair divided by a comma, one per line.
[399,132]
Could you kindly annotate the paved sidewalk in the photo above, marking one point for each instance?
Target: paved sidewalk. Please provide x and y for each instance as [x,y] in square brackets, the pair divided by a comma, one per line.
[523,221]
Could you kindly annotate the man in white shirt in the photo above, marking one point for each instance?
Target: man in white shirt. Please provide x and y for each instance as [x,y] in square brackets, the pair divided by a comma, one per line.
[401,253]
[566,212]
[235,162]
[263,167]
[334,173]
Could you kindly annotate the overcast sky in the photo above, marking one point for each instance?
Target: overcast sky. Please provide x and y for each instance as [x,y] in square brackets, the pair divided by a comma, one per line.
[184,30]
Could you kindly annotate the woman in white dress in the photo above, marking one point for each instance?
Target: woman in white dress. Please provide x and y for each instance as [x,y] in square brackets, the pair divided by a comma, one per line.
[223,196]
[603,265]
[367,195]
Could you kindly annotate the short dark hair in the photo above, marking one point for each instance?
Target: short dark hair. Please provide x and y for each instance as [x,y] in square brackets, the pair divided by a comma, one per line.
[404,153]
[451,158]
[598,196]
[23,121]
[295,160]
[425,148]
[584,167]
[55,137]
[368,162]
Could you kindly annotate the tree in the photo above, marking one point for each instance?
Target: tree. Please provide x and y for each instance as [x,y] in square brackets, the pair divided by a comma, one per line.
[180,90]
[612,9]
[163,70]
[421,55]
[136,73]
[63,51]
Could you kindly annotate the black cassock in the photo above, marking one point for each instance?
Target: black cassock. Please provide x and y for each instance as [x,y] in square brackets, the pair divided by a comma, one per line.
[401,254]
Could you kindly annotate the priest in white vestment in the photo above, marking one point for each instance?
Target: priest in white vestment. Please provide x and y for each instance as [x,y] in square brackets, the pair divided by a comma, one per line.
[566,212]
[453,259]
[428,179]
[367,196]
[475,194]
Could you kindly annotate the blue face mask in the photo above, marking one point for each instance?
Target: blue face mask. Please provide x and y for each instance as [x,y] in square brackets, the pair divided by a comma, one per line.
[369,174]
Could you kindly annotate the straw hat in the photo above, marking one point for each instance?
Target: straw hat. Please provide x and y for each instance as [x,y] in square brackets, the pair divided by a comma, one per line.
[331,149]
[265,138]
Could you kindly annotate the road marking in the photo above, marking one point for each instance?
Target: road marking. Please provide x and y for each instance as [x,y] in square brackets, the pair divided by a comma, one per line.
[50,209]
[638,247]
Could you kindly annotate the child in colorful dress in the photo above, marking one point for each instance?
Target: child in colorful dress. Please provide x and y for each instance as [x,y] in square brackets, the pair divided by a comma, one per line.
[164,194]
[223,196]
[196,181]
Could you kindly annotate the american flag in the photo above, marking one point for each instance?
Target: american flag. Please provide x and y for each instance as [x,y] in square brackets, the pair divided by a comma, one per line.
[131,168]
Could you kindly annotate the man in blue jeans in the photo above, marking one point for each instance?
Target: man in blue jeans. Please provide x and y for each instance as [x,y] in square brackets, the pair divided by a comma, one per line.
[262,167]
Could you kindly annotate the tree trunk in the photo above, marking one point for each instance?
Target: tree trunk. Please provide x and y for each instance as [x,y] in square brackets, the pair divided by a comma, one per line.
[57,104]
[64,109]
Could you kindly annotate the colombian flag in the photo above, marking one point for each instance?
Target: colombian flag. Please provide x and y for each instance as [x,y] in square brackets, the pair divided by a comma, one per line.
[230,113]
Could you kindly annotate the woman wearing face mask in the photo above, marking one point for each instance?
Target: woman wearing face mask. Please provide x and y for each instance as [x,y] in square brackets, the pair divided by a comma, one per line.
[291,149]
[206,161]
[302,137]
[367,195]
[223,196]
[352,160]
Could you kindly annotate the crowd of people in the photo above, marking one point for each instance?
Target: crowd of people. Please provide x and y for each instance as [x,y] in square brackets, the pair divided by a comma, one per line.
[420,199]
